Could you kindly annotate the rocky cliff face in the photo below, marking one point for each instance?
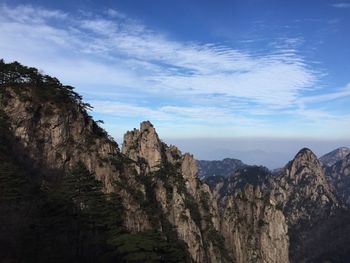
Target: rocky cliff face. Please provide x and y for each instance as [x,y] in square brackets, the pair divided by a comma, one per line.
[298,198]
[176,189]
[338,176]
[302,189]
[246,222]
[144,147]
[251,221]
[57,136]
[254,228]
[306,199]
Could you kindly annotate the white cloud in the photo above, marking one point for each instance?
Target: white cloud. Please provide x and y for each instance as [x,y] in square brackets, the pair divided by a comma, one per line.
[115,13]
[118,109]
[161,65]
[116,54]
[27,13]
[166,113]
[341,93]
[341,5]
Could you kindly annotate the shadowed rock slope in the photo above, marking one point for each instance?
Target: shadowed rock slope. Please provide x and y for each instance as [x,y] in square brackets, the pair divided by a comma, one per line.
[338,176]
[224,168]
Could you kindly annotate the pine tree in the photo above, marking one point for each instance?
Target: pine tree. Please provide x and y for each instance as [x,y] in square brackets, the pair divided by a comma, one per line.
[90,210]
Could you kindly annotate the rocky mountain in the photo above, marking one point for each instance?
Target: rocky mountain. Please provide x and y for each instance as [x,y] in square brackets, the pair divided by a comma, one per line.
[69,194]
[302,189]
[182,198]
[254,228]
[301,193]
[164,210]
[338,176]
[334,156]
[249,175]
[224,167]
[306,199]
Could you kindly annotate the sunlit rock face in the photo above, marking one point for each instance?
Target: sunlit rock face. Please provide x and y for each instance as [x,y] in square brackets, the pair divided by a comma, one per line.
[255,230]
[144,145]
[302,190]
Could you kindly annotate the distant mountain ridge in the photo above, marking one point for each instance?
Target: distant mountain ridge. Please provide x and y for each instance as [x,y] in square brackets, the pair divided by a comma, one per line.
[223,168]
[334,156]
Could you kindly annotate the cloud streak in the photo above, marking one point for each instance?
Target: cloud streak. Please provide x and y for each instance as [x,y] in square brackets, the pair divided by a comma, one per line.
[176,80]
[341,5]
[161,64]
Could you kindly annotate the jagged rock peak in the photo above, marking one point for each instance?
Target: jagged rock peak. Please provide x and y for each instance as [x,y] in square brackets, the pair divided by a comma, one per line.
[303,182]
[305,157]
[146,126]
[143,146]
[306,164]
[305,153]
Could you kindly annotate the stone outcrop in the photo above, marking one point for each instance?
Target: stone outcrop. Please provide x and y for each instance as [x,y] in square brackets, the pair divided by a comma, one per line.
[144,147]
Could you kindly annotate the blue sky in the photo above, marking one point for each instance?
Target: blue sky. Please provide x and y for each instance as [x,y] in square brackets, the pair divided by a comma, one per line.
[196,69]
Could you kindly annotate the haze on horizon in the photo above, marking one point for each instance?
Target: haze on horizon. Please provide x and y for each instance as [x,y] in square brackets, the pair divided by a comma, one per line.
[213,77]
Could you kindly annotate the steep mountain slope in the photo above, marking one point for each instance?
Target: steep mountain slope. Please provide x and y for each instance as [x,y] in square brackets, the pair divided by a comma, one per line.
[302,189]
[184,200]
[56,132]
[52,124]
[165,212]
[254,228]
[301,193]
[249,175]
[307,200]
[224,167]
[334,156]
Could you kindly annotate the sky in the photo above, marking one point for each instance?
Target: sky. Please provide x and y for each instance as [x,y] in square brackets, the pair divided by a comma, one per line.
[211,76]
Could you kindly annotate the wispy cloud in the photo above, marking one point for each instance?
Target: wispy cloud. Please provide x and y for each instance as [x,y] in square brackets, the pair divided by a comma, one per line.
[177,80]
[341,93]
[163,65]
[341,5]
[212,115]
